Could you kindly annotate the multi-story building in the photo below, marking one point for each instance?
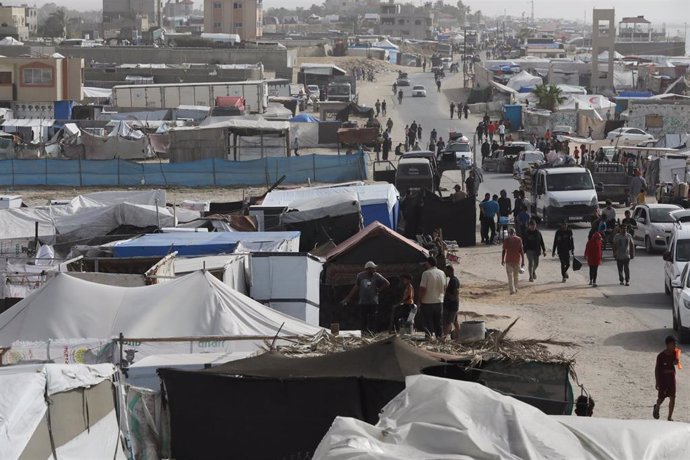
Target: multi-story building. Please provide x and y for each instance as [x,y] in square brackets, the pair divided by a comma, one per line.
[406,21]
[120,14]
[347,6]
[241,17]
[31,19]
[178,8]
[13,22]
[28,79]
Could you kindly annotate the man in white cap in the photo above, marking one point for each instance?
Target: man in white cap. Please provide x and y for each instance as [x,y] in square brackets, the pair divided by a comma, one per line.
[368,285]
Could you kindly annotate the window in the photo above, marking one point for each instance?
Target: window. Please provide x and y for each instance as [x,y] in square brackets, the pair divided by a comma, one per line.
[5,78]
[238,25]
[40,76]
[653,121]
[418,22]
[217,25]
[237,5]
[217,5]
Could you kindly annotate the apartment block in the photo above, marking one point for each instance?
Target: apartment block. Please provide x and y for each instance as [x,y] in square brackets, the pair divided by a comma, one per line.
[13,22]
[28,79]
[241,17]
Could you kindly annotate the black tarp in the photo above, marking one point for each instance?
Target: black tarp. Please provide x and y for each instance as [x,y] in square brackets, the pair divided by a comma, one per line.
[356,111]
[424,211]
[276,407]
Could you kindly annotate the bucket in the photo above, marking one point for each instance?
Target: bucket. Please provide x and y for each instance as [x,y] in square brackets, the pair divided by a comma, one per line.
[471,331]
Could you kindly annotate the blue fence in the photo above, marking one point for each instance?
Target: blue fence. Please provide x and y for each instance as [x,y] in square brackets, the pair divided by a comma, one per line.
[203,173]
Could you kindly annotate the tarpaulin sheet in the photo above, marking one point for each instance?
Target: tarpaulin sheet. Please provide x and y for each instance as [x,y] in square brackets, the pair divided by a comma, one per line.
[439,418]
[202,173]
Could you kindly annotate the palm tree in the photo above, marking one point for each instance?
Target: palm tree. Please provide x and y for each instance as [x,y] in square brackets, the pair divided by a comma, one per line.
[550,96]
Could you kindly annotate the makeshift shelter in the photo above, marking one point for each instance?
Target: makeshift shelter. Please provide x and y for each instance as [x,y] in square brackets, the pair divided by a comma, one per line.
[379,202]
[354,110]
[59,412]
[395,256]
[330,219]
[207,243]
[292,401]
[523,80]
[231,269]
[230,138]
[439,418]
[69,312]
[306,128]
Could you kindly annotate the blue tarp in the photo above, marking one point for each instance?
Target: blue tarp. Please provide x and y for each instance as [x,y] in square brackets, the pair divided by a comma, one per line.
[304,118]
[202,173]
[197,244]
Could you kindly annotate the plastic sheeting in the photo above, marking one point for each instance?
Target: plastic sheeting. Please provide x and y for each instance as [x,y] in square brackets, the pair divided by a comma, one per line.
[196,305]
[450,419]
[202,173]
[522,80]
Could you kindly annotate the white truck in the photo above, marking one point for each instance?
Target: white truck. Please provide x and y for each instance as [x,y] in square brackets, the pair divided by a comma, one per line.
[564,193]
[170,96]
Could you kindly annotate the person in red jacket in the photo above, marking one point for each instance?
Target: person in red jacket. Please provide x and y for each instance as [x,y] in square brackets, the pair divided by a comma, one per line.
[594,254]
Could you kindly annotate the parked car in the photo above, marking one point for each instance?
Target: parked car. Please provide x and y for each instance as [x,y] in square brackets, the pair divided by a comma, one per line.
[654,226]
[463,154]
[562,130]
[414,174]
[563,193]
[681,304]
[677,256]
[403,81]
[632,135]
[418,91]
[527,160]
[446,63]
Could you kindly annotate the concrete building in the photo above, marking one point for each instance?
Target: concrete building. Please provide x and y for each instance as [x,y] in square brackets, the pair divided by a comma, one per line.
[405,21]
[347,6]
[31,19]
[660,116]
[241,17]
[13,22]
[28,79]
[178,8]
[118,14]
[603,39]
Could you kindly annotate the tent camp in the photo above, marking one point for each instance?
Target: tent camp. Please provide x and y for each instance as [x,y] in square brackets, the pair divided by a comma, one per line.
[53,411]
[440,418]
[379,202]
[292,401]
[194,306]
[207,243]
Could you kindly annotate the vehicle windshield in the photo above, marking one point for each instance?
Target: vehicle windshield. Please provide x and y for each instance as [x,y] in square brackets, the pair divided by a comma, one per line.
[417,87]
[420,170]
[460,147]
[530,157]
[569,181]
[661,215]
[683,251]
[340,90]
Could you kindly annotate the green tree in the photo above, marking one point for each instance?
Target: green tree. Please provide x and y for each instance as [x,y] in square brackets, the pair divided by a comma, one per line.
[56,24]
[550,96]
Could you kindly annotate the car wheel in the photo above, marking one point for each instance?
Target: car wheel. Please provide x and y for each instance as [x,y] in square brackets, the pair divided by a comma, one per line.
[648,245]
[545,220]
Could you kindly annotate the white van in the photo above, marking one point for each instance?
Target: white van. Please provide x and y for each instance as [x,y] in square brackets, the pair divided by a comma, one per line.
[564,193]
[677,255]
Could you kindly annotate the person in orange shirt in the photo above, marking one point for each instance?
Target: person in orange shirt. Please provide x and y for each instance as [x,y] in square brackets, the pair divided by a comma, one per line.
[665,377]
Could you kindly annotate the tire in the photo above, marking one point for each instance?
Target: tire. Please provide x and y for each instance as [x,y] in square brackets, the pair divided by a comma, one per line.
[683,333]
[545,220]
[648,245]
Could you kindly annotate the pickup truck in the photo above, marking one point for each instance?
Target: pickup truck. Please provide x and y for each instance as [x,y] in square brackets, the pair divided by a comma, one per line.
[499,162]
[612,181]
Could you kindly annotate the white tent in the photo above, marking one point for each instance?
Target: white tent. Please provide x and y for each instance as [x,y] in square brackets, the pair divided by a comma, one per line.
[195,306]
[385,44]
[79,423]
[441,418]
[10,41]
[604,55]
[522,80]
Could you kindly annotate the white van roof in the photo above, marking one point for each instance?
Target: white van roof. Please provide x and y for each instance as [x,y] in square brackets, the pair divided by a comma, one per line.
[566,170]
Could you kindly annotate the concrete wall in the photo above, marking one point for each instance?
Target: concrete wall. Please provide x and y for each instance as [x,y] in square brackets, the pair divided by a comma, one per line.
[675,116]
[107,78]
[663,48]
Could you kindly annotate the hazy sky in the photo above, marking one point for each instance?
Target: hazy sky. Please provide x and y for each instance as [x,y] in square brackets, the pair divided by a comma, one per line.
[658,11]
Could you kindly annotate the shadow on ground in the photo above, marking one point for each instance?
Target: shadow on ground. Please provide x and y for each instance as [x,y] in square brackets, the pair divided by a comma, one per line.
[650,340]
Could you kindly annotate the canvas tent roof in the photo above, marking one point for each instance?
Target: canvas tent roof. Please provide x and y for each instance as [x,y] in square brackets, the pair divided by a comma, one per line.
[195,305]
[75,430]
[385,44]
[317,208]
[523,79]
[378,243]
[467,420]
[388,359]
[304,118]
[197,244]
[355,110]
[367,194]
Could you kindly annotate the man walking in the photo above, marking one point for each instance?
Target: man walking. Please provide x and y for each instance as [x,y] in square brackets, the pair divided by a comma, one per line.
[623,251]
[564,244]
[431,290]
[665,376]
[486,151]
[502,133]
[638,185]
[368,285]
[513,258]
[377,106]
[533,245]
[490,210]
[383,107]
[451,302]
[452,109]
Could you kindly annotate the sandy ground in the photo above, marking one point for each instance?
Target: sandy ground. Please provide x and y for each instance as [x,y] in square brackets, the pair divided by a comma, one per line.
[615,357]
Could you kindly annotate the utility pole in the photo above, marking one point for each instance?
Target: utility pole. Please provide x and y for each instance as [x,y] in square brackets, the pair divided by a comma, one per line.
[532,12]
[464,60]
